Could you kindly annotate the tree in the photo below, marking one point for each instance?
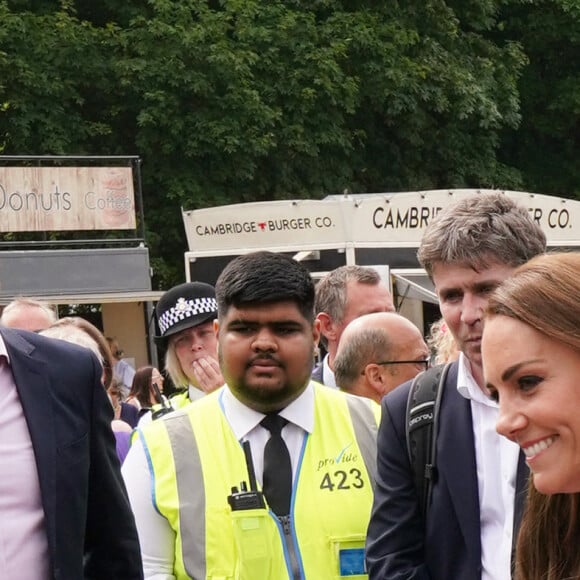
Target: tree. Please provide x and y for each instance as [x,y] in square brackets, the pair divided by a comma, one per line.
[546,145]
[249,100]
[241,100]
[54,83]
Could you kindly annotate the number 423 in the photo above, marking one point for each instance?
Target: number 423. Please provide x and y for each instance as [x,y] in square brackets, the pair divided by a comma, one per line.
[342,480]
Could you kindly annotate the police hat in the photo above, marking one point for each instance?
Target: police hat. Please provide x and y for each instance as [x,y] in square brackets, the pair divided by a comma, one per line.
[185,306]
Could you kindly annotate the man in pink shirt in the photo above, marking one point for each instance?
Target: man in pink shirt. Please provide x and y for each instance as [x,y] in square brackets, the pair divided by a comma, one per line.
[63,504]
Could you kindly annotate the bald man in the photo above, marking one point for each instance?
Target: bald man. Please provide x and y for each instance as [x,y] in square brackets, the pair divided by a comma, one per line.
[27,314]
[378,352]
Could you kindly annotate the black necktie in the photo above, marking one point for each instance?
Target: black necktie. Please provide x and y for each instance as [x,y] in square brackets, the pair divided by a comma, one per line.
[277,477]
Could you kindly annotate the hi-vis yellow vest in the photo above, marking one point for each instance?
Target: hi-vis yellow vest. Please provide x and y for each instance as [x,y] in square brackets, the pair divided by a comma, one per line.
[176,401]
[196,460]
[180,400]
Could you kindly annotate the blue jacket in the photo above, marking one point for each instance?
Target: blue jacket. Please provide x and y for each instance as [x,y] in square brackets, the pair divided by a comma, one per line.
[398,545]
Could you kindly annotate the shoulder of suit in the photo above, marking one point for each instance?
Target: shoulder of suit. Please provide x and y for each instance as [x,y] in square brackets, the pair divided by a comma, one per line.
[20,339]
[30,341]
[397,398]
[332,393]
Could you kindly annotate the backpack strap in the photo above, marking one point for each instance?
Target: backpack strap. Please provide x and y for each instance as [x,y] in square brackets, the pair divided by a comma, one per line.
[421,423]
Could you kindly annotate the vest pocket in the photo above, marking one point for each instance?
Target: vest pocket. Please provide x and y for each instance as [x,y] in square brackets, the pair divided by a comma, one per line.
[349,557]
[258,547]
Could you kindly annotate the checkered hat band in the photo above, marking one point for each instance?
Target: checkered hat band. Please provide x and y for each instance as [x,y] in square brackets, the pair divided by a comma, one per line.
[186,309]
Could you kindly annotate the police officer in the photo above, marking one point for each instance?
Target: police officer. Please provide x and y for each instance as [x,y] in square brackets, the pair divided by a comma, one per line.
[185,316]
[191,475]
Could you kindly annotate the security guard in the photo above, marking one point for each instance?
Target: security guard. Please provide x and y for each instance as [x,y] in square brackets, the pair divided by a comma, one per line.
[185,316]
[270,477]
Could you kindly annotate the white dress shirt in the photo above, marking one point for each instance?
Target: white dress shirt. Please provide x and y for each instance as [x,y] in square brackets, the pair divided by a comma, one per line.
[156,537]
[328,378]
[124,373]
[497,461]
[23,541]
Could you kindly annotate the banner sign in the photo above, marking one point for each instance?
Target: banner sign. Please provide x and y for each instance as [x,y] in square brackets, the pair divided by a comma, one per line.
[34,199]
[387,220]
[262,225]
[401,218]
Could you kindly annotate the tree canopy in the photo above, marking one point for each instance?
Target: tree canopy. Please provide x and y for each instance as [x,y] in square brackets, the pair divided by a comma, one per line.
[241,100]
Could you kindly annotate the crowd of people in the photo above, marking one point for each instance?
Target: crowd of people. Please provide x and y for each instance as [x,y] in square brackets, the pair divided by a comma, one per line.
[268,465]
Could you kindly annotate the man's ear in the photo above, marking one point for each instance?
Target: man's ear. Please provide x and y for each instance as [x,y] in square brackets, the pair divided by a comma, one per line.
[216,329]
[327,326]
[374,376]
[316,332]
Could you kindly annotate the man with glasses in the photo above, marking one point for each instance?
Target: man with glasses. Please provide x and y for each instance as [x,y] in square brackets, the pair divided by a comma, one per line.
[377,352]
[479,484]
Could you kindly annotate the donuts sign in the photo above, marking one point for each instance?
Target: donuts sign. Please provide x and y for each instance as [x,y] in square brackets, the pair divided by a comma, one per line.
[66,198]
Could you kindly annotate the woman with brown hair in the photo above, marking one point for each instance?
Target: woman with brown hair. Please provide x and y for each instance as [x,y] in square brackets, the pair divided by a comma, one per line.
[531,359]
[143,394]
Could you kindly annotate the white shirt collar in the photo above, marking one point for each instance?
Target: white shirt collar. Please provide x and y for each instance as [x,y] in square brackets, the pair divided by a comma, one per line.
[496,459]
[242,419]
[3,350]
[194,393]
[328,374]
[468,387]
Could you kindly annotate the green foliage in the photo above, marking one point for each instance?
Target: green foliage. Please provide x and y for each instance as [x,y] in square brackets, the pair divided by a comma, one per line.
[57,83]
[242,100]
[246,101]
[546,146]
[257,100]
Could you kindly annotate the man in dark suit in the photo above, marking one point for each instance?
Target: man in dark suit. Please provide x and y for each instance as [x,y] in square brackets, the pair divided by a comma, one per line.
[341,296]
[477,497]
[63,504]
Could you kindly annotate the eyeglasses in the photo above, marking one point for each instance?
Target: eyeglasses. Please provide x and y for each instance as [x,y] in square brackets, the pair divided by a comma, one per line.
[426,362]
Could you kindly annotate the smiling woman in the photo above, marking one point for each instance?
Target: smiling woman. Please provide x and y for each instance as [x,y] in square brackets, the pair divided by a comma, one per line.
[531,361]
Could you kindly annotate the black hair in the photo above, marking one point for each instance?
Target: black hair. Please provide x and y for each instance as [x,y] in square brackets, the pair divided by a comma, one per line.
[265,277]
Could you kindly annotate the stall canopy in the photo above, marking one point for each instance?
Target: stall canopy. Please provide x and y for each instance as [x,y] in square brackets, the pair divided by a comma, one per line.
[414,284]
[365,229]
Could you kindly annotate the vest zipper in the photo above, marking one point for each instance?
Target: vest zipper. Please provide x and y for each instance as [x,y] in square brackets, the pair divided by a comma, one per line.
[286,523]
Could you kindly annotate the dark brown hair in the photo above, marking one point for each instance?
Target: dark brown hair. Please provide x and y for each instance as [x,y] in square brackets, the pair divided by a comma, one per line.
[479,230]
[547,546]
[141,387]
[543,293]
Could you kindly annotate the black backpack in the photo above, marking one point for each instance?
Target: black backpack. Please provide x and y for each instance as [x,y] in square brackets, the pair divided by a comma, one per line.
[421,423]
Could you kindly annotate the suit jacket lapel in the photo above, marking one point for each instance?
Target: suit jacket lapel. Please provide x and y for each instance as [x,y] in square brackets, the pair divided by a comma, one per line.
[522,480]
[34,391]
[457,464]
